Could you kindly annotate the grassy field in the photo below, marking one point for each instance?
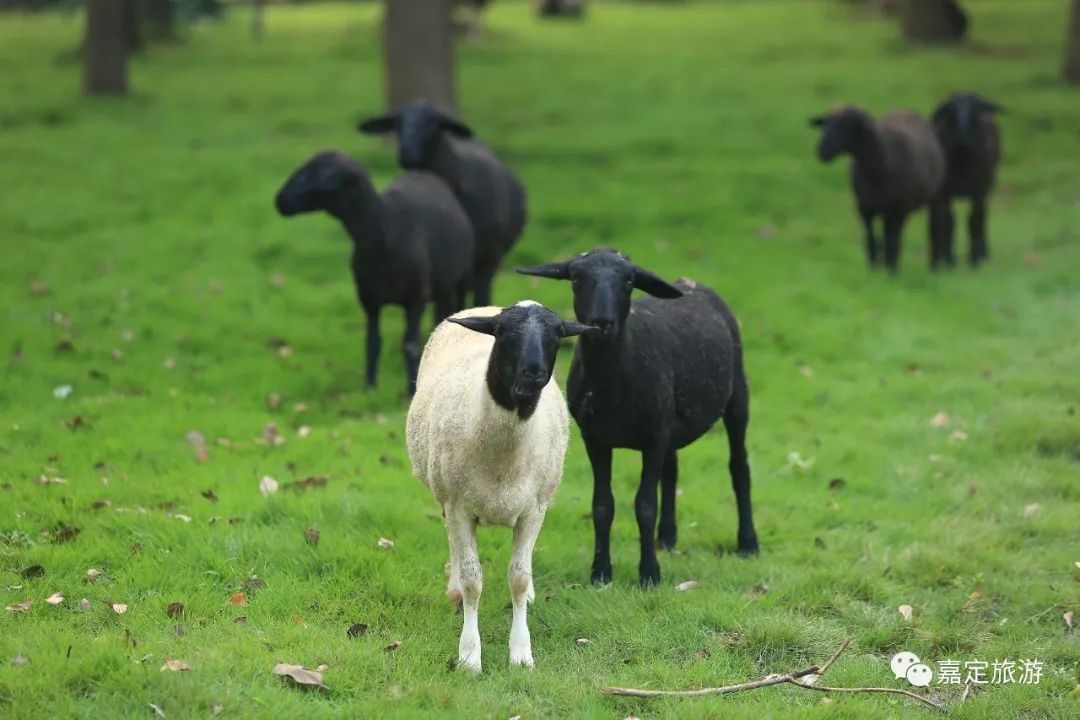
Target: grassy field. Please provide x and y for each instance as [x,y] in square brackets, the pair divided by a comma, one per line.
[143,265]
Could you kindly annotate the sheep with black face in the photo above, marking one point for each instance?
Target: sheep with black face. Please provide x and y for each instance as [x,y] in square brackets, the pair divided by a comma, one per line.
[897,167]
[661,372]
[411,244]
[487,433]
[970,137]
[493,197]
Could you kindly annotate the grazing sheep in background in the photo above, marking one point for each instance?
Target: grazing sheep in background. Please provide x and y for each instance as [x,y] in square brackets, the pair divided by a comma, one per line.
[491,194]
[897,167]
[971,140]
[411,244]
[487,433]
[660,373]
[560,8]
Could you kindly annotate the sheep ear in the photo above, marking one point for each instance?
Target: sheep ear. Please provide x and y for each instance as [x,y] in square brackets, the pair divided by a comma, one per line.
[654,285]
[379,125]
[570,328]
[818,121]
[555,270]
[990,106]
[485,325]
[456,127]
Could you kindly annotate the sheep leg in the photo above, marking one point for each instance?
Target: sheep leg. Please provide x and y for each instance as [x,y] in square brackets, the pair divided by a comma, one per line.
[871,241]
[520,579]
[934,214]
[977,231]
[462,528]
[411,347]
[894,226]
[947,234]
[736,419]
[652,464]
[603,510]
[445,305]
[374,343]
[453,584]
[669,533]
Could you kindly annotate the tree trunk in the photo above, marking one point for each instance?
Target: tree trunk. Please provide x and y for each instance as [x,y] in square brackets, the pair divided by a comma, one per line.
[156,18]
[1072,47]
[106,47]
[934,21]
[258,18]
[418,45]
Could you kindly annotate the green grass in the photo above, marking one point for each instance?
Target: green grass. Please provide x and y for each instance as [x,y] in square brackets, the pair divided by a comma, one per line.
[675,133]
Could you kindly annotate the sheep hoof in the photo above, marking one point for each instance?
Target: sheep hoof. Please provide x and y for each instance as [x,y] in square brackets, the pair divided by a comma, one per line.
[666,540]
[601,576]
[649,580]
[521,658]
[748,547]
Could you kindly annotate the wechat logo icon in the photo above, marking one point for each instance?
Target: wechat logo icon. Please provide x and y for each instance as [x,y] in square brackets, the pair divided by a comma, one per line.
[907,665]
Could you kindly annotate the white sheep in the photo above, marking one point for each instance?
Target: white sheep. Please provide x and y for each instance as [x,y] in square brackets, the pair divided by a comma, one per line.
[487,433]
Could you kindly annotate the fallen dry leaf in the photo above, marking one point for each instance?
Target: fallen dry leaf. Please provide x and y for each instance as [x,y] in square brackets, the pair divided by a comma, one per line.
[905,611]
[181,516]
[311,535]
[356,630]
[50,480]
[304,431]
[688,585]
[55,599]
[759,590]
[582,640]
[91,575]
[958,436]
[209,495]
[386,544]
[239,599]
[1032,509]
[268,486]
[300,676]
[392,646]
[98,504]
[274,400]
[175,666]
[22,607]
[271,435]
[119,608]
[20,660]
[175,609]
[299,621]
[806,371]
[312,481]
[157,710]
[84,605]
[1068,618]
[940,420]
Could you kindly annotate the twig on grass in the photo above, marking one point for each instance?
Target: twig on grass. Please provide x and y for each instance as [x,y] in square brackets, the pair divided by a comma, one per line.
[793,678]
[753,685]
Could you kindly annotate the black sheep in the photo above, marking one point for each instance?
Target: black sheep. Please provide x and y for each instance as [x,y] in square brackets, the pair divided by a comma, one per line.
[411,244]
[493,197]
[971,140]
[897,167]
[660,373]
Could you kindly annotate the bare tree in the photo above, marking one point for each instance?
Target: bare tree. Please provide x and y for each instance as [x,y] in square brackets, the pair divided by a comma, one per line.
[258,18]
[418,44]
[156,19]
[934,21]
[1072,46]
[106,47]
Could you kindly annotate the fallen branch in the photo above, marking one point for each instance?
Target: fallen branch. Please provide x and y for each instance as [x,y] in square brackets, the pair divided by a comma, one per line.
[763,682]
[793,678]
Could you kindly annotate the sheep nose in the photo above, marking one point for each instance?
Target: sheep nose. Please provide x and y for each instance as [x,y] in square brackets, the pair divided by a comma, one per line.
[605,324]
[533,373]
